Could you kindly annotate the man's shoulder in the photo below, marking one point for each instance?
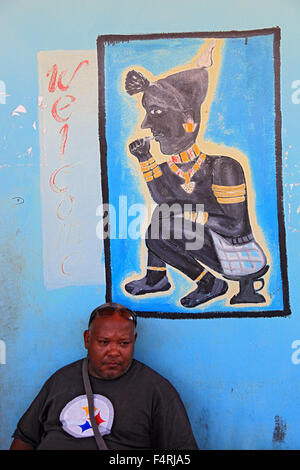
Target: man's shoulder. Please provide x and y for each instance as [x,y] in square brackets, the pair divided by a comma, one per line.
[152,376]
[224,162]
[69,371]
[143,368]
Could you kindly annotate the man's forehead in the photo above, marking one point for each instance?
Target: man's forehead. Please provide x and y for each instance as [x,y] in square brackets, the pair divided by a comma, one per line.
[114,322]
[155,96]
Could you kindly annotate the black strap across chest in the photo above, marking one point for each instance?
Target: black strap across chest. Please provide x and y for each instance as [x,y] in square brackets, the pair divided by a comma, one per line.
[90,398]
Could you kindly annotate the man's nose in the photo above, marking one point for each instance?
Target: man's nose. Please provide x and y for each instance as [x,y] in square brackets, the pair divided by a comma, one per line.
[114,349]
[146,122]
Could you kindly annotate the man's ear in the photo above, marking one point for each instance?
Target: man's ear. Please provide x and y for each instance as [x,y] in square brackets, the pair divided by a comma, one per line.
[86,337]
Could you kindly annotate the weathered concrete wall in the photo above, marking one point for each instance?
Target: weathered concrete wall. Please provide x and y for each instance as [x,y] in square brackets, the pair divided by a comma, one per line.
[237,376]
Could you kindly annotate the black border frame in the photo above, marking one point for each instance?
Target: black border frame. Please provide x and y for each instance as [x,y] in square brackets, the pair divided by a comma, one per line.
[115,38]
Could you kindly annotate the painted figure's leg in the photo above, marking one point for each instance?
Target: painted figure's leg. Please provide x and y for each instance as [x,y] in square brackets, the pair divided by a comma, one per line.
[155,280]
[208,286]
[173,251]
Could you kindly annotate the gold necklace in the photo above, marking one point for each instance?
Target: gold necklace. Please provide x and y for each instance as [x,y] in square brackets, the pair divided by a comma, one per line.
[187,156]
[188,185]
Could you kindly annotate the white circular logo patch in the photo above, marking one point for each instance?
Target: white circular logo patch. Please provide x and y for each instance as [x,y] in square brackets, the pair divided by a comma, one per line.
[75,417]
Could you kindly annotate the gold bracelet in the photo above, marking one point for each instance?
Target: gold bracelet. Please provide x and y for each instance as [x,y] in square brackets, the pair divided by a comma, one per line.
[150,169]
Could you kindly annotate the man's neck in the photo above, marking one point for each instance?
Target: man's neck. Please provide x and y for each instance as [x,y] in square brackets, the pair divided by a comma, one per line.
[186,156]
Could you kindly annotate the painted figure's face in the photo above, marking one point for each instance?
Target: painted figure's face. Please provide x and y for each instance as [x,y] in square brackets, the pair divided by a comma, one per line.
[110,344]
[165,120]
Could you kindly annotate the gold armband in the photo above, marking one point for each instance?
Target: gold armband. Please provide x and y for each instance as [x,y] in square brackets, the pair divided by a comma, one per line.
[229,194]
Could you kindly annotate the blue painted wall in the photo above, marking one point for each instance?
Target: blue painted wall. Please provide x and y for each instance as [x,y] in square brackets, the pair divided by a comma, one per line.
[238,377]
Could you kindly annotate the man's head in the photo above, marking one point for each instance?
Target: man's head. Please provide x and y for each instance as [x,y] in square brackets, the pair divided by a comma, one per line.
[170,103]
[165,118]
[110,340]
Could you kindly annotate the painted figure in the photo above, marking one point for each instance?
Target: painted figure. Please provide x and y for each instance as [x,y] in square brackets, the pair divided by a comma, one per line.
[228,249]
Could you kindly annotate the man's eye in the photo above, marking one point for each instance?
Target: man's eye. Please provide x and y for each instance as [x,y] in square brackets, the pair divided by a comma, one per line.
[156,112]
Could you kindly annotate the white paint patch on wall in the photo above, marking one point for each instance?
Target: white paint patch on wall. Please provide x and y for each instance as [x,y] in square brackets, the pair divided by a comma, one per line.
[70,168]
[2,352]
[3,94]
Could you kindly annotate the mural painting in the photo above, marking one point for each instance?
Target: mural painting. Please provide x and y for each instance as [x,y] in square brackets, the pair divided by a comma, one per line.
[186,122]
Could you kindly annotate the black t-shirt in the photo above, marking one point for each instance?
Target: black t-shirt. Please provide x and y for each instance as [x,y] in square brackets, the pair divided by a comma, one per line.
[139,410]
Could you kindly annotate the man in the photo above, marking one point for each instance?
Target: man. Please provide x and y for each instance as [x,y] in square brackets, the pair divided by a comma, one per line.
[135,407]
[191,179]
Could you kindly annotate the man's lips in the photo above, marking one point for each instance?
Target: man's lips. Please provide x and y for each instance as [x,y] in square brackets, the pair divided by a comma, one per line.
[112,364]
[157,135]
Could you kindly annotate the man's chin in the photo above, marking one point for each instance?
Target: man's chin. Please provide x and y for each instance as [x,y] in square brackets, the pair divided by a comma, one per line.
[111,375]
[107,372]
[169,148]
[166,150]
[112,371]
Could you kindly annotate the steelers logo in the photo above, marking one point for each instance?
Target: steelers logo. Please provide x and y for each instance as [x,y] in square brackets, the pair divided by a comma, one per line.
[75,417]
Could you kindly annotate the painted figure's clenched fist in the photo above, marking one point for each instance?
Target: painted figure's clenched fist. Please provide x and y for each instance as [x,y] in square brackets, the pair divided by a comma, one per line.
[140,148]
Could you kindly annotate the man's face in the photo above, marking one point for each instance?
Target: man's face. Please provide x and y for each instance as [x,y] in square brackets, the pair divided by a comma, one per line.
[165,121]
[110,344]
